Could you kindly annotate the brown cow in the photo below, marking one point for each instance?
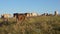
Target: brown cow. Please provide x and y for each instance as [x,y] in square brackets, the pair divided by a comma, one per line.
[20,17]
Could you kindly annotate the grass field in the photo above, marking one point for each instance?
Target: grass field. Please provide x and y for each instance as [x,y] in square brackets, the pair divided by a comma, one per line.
[33,25]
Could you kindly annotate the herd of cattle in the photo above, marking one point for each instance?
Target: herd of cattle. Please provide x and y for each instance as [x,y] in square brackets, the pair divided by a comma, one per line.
[21,16]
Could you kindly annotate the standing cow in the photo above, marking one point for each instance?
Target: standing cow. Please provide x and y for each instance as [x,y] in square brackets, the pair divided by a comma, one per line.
[20,17]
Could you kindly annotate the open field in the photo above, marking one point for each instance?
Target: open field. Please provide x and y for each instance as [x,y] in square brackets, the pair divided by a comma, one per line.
[33,25]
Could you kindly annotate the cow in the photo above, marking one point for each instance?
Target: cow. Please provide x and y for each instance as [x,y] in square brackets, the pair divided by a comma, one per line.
[20,17]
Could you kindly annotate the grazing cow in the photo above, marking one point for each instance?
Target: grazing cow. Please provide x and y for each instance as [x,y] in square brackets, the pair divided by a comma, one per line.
[5,17]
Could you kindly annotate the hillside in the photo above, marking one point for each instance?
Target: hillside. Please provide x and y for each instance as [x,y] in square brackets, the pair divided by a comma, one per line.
[32,25]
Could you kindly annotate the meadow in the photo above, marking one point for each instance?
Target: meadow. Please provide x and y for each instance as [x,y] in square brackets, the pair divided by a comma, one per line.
[31,25]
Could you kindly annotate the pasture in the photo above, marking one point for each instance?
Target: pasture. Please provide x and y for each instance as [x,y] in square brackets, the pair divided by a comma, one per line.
[32,25]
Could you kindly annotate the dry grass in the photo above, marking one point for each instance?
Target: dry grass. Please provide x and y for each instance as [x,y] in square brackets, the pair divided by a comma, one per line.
[36,25]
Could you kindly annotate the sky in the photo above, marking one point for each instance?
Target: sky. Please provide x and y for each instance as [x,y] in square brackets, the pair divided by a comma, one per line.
[23,6]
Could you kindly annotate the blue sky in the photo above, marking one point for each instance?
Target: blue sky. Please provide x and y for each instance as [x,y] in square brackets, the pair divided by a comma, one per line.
[38,6]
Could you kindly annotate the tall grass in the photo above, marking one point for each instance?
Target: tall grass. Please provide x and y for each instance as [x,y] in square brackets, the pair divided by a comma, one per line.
[34,25]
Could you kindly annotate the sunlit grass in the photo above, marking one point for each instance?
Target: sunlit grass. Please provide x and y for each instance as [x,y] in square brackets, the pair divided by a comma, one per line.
[34,25]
